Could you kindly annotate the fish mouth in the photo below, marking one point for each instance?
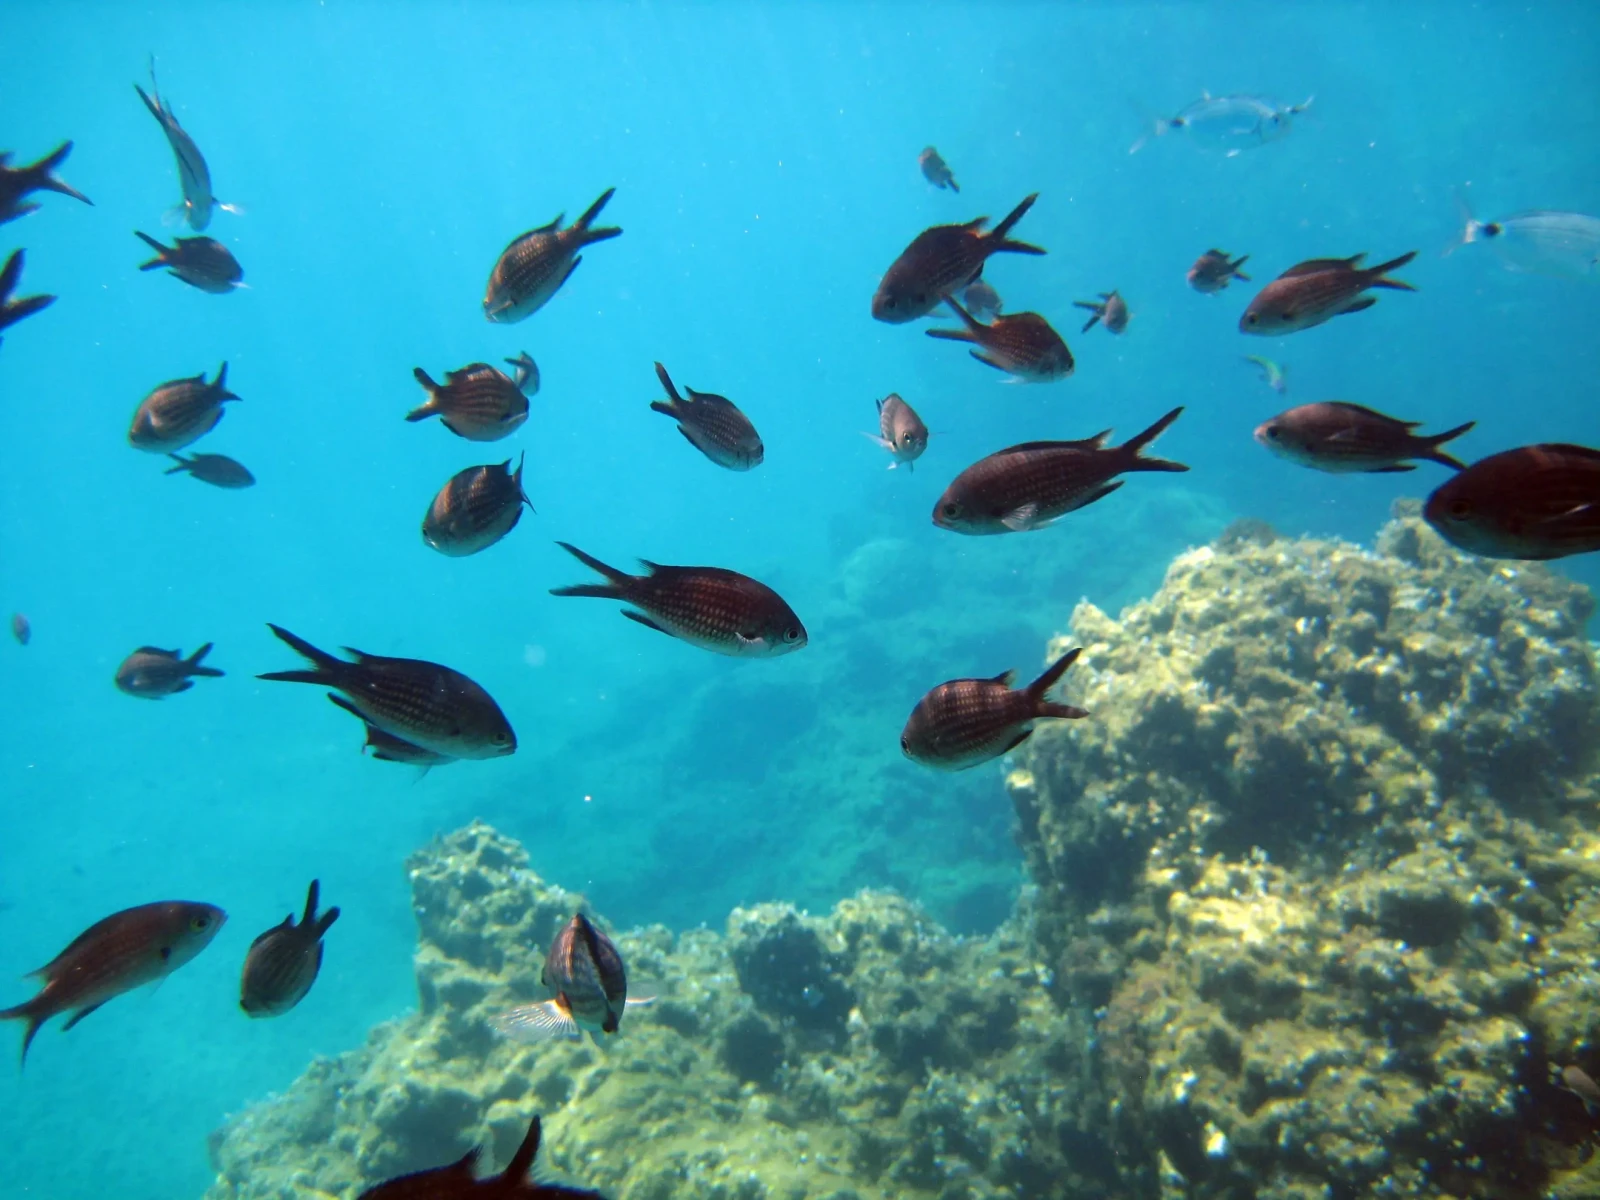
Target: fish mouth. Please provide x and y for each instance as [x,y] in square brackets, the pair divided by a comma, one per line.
[883,309]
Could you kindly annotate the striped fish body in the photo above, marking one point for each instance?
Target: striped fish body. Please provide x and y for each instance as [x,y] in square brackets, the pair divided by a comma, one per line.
[478,402]
[532,269]
[965,722]
[386,747]
[585,972]
[1535,502]
[1339,438]
[194,177]
[115,955]
[1024,345]
[150,673]
[475,509]
[283,962]
[179,412]
[941,261]
[712,424]
[201,262]
[1317,290]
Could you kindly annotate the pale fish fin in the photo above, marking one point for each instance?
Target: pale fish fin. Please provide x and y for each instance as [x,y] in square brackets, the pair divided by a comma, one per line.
[237,210]
[1020,520]
[882,441]
[638,1001]
[535,1023]
[175,216]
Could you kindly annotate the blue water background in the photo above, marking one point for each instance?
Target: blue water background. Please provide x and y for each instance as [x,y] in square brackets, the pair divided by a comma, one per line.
[765,161]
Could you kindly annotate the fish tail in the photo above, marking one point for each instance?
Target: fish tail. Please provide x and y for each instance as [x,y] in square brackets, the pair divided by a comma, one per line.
[11,273]
[220,384]
[313,894]
[153,105]
[327,666]
[1137,461]
[971,332]
[193,663]
[521,1162]
[666,382]
[997,239]
[13,311]
[1052,675]
[30,1013]
[1099,310]
[1233,268]
[44,179]
[429,406]
[183,464]
[614,589]
[1434,441]
[160,260]
[584,222]
[1375,274]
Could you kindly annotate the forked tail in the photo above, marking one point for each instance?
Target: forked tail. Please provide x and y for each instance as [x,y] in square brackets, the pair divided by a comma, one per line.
[1134,445]
[614,589]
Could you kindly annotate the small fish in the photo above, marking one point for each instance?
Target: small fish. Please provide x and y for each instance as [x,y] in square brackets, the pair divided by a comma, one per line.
[1582,1085]
[1317,290]
[150,673]
[713,425]
[1273,375]
[1111,308]
[475,509]
[1028,486]
[981,300]
[283,962]
[900,431]
[1024,344]
[709,607]
[941,261]
[17,182]
[194,177]
[585,972]
[12,311]
[386,747]
[216,469]
[1213,270]
[1339,438]
[1543,242]
[532,269]
[201,262]
[179,412]
[527,376]
[21,629]
[965,722]
[478,402]
[459,1180]
[1231,124]
[1535,502]
[115,955]
[936,171]
[420,702]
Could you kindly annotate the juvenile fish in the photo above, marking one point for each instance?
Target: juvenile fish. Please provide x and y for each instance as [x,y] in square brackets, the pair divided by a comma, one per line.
[1029,485]
[1024,344]
[1213,271]
[713,425]
[527,376]
[12,311]
[194,177]
[115,955]
[717,610]
[1272,374]
[1535,502]
[150,673]
[981,300]
[21,630]
[478,402]
[936,171]
[420,702]
[201,262]
[459,1180]
[940,262]
[532,269]
[386,747]
[1566,244]
[1339,438]
[1229,124]
[1317,290]
[900,431]
[1111,309]
[216,469]
[283,962]
[179,412]
[966,722]
[17,182]
[585,971]
[475,509]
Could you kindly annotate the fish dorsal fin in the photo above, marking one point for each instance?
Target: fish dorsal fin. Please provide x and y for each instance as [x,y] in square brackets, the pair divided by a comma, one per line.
[157,651]
[286,924]
[1313,266]
[1571,450]
[1096,442]
[1006,677]
[1364,411]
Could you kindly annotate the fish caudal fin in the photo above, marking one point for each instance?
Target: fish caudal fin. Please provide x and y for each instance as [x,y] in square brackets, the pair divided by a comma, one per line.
[328,669]
[29,1013]
[1375,274]
[193,663]
[613,589]
[584,222]
[15,310]
[160,260]
[535,1023]
[1052,675]
[666,382]
[997,239]
[1135,445]
[46,181]
[1434,441]
[522,1161]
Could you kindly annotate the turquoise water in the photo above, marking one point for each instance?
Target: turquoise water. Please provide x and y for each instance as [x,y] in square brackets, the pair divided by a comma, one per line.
[765,161]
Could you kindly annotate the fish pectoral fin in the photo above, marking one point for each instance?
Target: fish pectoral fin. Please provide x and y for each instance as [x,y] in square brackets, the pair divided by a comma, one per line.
[645,621]
[1101,493]
[1023,519]
[80,1015]
[1357,305]
[1016,741]
[1577,510]
[638,1001]
[535,1023]
[570,270]
[1393,469]
[989,360]
[882,441]
[175,216]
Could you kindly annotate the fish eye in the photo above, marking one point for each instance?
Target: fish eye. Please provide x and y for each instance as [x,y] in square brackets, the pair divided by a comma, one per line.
[200,923]
[1251,318]
[1460,510]
[1272,432]
[791,634]
[905,745]
[951,509]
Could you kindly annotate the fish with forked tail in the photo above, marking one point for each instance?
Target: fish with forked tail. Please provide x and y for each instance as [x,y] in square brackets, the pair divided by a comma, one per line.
[386,747]
[712,424]
[194,177]
[1213,271]
[966,722]
[12,311]
[479,402]
[532,269]
[284,961]
[17,182]
[1024,344]
[1317,290]
[900,431]
[590,984]
[1341,438]
[941,261]
[936,171]
[1111,309]
[1535,502]
[459,1180]
[475,509]
[216,469]
[201,262]
[150,673]
[179,412]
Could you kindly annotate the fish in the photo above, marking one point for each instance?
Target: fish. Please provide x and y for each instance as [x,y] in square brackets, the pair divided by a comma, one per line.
[1535,502]
[475,509]
[283,962]
[216,469]
[534,266]
[1544,242]
[1231,124]
[981,300]
[179,412]
[966,722]
[21,629]
[478,402]
[590,984]
[943,260]
[201,262]
[527,376]
[1027,486]
[900,431]
[1273,375]
[1111,309]
[1213,270]
[1339,438]
[1024,344]
[1317,290]
[16,183]
[715,609]
[12,311]
[1582,1085]
[713,425]
[386,747]
[150,673]
[115,955]
[420,702]
[194,177]
[459,1181]
[936,171]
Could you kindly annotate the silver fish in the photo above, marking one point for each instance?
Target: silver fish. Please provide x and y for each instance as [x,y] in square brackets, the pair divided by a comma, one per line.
[533,267]
[900,431]
[1230,124]
[194,177]
[981,300]
[1566,244]
[179,412]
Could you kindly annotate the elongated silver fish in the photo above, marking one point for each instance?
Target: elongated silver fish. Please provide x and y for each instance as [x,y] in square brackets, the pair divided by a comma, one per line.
[478,402]
[1024,344]
[1544,242]
[201,262]
[966,722]
[1338,437]
[150,673]
[1111,309]
[533,267]
[12,311]
[475,509]
[712,424]
[178,412]
[1229,124]
[386,747]
[590,984]
[17,182]
[941,261]
[194,177]
[1317,290]
[216,469]
[900,431]
[283,962]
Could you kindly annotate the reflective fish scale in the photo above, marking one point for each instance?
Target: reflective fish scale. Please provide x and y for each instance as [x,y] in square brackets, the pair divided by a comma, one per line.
[479,402]
[179,412]
[533,267]
[475,509]
[1535,502]
[712,424]
[966,722]
[283,962]
[1024,344]
[940,262]
[194,177]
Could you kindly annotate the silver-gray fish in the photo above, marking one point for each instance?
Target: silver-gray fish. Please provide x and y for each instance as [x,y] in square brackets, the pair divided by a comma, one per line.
[966,722]
[1545,242]
[1024,344]
[981,300]
[151,673]
[532,269]
[283,962]
[1229,124]
[201,262]
[216,469]
[900,431]
[179,412]
[590,984]
[479,402]
[941,261]
[475,509]
[12,311]
[386,747]
[712,424]
[936,171]
[1340,438]
[194,177]
[1317,290]
[1111,309]
[17,182]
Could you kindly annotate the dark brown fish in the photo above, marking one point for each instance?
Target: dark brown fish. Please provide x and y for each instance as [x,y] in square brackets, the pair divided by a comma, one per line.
[386,747]
[1535,502]
[585,974]
[532,269]
[900,431]
[1029,485]
[709,607]
[475,509]
[1110,308]
[459,1181]
[940,262]
[420,702]
[1317,290]
[21,629]
[12,311]
[283,962]
[179,412]
[936,171]
[201,262]
[216,469]
[115,955]
[478,402]
[1024,344]
[981,299]
[713,425]
[17,182]
[1212,272]
[966,722]
[150,673]
[1337,437]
